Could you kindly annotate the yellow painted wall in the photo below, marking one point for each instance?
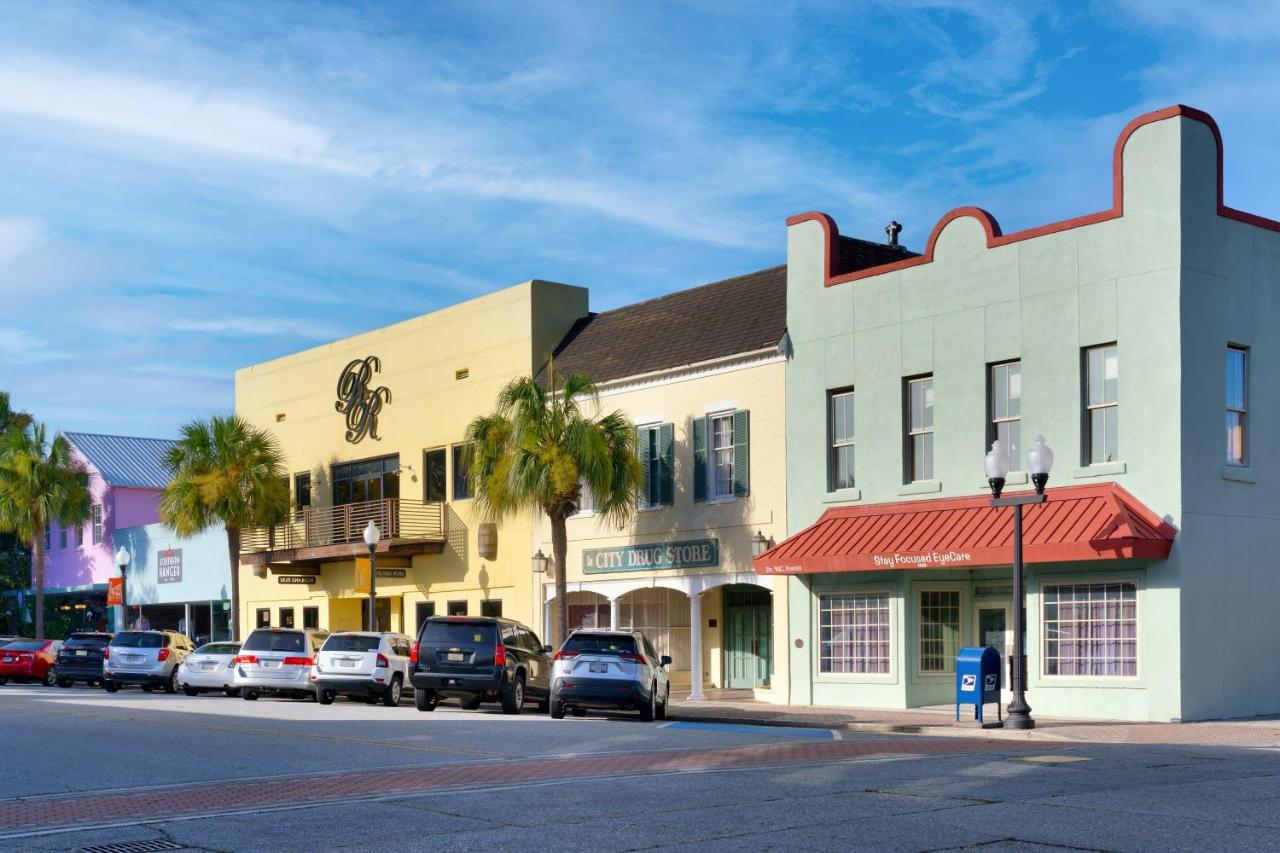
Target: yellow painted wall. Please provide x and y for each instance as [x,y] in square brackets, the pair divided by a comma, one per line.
[495,338]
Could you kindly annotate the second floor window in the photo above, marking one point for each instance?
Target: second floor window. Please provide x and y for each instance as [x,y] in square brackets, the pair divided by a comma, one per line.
[433,464]
[1102,403]
[722,456]
[461,473]
[62,536]
[840,465]
[302,490]
[654,447]
[1237,403]
[920,428]
[1006,411]
[95,518]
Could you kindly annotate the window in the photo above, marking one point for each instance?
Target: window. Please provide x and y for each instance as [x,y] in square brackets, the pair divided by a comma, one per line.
[939,630]
[424,611]
[302,490]
[95,516]
[1237,403]
[491,608]
[457,608]
[80,535]
[264,617]
[722,456]
[62,536]
[461,473]
[840,464]
[1102,403]
[1005,394]
[1091,629]
[919,429]
[371,480]
[286,617]
[854,634]
[435,478]
[655,449]
[311,617]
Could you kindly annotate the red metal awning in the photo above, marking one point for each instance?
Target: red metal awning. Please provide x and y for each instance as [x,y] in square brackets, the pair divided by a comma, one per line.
[1095,522]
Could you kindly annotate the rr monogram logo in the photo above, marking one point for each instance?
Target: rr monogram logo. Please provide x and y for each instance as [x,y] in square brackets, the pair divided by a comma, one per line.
[360,404]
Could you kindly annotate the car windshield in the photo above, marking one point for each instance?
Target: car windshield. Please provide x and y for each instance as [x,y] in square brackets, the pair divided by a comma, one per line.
[218,649]
[138,640]
[28,646]
[275,641]
[456,633]
[87,641]
[351,643]
[608,644]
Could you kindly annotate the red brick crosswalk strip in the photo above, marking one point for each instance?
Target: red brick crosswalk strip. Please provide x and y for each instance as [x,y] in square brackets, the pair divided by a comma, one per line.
[212,798]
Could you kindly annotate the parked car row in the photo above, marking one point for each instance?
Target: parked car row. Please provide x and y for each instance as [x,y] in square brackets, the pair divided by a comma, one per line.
[472,659]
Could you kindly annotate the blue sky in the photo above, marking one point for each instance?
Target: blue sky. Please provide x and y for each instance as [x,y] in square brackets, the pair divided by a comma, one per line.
[186,188]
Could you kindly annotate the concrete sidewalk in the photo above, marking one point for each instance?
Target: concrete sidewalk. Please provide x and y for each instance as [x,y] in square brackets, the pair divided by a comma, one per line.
[939,721]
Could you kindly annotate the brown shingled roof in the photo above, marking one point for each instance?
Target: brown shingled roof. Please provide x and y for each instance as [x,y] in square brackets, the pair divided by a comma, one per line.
[738,315]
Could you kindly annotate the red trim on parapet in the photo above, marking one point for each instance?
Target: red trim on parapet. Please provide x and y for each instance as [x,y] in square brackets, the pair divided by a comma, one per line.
[992,227]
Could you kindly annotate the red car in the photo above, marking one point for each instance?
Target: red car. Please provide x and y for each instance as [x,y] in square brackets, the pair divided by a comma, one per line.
[26,661]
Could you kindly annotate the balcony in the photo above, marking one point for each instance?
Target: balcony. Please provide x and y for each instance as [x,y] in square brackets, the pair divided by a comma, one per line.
[326,534]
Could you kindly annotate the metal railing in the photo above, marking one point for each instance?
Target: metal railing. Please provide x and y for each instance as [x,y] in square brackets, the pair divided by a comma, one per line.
[316,527]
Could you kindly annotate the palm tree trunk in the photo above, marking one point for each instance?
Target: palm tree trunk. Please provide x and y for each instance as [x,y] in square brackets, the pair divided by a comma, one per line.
[37,575]
[233,548]
[560,553]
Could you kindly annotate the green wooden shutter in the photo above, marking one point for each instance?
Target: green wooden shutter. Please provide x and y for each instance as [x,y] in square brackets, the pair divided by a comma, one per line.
[642,453]
[666,456]
[699,459]
[741,454]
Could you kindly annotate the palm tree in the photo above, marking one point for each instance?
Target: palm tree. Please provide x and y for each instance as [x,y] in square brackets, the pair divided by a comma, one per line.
[538,449]
[225,471]
[10,418]
[40,482]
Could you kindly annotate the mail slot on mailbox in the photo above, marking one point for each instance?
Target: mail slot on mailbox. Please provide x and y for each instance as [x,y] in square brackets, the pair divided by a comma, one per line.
[978,680]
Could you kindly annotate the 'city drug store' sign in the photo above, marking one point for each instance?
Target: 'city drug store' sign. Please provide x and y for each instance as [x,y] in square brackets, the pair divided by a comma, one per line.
[690,554]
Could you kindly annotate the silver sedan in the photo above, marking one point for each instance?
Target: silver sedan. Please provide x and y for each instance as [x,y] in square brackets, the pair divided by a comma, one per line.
[209,668]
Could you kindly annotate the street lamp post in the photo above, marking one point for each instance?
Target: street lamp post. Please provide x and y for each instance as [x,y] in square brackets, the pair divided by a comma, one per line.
[122,560]
[1039,462]
[371,537]
[759,544]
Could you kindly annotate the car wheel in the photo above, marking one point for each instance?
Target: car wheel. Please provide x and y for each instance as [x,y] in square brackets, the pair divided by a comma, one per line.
[661,712]
[50,679]
[424,700]
[325,697]
[171,686]
[470,704]
[391,698]
[513,699]
[3,682]
[231,692]
[64,682]
[647,710]
[557,707]
[578,712]
[110,686]
[189,690]
[249,695]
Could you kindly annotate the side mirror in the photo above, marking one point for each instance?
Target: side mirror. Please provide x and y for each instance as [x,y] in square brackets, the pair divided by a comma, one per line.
[546,650]
[665,660]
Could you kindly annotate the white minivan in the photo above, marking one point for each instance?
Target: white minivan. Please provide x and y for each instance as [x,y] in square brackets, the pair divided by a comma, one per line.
[363,664]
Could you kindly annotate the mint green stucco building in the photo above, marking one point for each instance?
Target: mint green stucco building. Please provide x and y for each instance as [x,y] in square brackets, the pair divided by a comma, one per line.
[1140,341]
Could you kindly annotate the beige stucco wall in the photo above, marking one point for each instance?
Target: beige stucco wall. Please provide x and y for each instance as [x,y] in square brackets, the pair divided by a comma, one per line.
[495,338]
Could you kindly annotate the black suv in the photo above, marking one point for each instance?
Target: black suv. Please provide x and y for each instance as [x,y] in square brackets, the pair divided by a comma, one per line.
[80,659]
[480,659]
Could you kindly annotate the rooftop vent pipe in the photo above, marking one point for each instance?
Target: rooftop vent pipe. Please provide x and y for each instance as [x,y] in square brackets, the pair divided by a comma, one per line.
[892,230]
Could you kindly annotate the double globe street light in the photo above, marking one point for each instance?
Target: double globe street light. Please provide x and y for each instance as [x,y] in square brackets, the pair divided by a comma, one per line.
[1039,462]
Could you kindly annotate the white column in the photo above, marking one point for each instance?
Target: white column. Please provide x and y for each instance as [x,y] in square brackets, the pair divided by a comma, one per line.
[546,617]
[695,646]
[186,621]
[615,614]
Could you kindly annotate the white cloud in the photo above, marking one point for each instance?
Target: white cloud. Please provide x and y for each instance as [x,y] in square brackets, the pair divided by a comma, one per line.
[238,326]
[19,237]
[18,346]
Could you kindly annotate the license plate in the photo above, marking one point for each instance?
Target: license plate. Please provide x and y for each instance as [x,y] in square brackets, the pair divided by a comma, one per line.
[599,667]
[81,653]
[207,667]
[271,664]
[454,656]
[346,663]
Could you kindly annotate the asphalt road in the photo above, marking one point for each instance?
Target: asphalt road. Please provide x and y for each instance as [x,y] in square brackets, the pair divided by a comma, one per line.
[81,769]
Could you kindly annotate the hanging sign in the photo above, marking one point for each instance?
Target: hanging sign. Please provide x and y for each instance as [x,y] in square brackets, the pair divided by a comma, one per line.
[115,592]
[689,554]
[169,566]
[300,580]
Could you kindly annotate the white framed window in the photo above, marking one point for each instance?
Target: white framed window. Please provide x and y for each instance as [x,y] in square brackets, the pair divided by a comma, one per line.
[62,536]
[919,418]
[722,456]
[1006,410]
[586,502]
[840,463]
[1090,629]
[1102,403]
[1237,404]
[95,517]
[854,633]
[939,618]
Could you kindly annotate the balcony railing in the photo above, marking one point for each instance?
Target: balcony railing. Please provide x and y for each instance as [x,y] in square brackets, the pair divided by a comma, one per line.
[317,527]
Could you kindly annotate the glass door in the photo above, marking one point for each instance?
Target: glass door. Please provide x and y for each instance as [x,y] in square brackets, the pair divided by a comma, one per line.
[994,628]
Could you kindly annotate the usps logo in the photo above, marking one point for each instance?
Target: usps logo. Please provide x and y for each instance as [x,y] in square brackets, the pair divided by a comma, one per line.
[968,682]
[989,682]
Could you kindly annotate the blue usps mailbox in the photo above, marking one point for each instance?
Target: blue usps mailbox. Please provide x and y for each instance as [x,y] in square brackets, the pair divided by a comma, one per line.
[978,680]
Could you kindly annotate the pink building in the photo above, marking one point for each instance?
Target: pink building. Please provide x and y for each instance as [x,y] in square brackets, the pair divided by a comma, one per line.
[126,476]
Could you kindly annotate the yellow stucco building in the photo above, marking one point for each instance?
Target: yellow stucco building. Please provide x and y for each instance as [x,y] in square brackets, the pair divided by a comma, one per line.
[371,427]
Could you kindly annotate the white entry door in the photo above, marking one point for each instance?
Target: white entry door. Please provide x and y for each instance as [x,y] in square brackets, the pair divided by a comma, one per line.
[994,628]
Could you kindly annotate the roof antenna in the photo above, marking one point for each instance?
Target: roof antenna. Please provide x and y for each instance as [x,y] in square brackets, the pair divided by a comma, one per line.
[892,229]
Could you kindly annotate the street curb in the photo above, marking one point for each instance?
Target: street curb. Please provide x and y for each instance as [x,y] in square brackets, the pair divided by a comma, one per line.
[869,728]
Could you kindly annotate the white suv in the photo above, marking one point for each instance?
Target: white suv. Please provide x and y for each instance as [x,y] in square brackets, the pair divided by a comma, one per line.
[359,663]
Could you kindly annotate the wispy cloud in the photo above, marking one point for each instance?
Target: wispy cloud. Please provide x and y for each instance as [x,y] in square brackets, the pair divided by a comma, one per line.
[242,326]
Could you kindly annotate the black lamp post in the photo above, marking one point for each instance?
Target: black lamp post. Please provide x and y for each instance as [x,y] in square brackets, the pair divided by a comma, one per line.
[1039,461]
[122,560]
[371,537]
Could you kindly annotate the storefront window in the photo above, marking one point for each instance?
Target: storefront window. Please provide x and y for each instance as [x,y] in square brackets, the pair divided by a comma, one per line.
[855,634]
[939,630]
[311,617]
[1091,629]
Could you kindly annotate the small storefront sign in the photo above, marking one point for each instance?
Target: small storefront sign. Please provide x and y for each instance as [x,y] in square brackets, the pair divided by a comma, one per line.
[169,566]
[115,592]
[393,573]
[689,554]
[297,579]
